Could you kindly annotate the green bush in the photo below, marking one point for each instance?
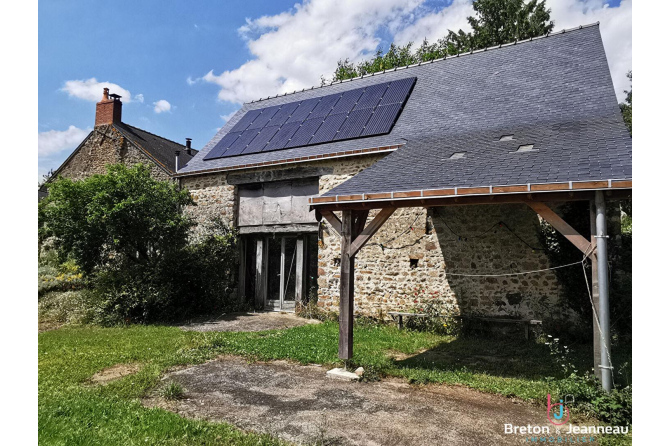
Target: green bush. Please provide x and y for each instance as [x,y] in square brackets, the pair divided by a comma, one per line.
[127,236]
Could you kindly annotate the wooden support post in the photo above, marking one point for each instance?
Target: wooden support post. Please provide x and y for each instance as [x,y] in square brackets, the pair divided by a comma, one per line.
[346,290]
[595,293]
[353,228]
[260,278]
[242,282]
[299,271]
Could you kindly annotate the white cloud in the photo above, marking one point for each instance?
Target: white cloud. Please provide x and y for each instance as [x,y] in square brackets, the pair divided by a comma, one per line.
[616,28]
[56,141]
[162,106]
[293,49]
[227,117]
[191,81]
[91,90]
[139,98]
[433,25]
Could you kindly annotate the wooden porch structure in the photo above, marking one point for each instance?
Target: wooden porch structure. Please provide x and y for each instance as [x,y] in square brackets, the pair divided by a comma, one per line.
[355,234]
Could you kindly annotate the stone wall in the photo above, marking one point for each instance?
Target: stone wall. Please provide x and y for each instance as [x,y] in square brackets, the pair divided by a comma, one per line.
[421,253]
[419,250]
[106,146]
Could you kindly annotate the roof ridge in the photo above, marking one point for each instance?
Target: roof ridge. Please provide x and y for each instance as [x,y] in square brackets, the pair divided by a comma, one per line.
[153,134]
[563,31]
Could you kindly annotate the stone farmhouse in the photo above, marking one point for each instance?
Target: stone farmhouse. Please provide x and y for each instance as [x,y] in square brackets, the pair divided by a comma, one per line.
[417,183]
[112,141]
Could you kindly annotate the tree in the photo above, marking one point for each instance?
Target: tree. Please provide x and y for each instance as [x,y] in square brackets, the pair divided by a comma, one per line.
[495,22]
[124,216]
[627,105]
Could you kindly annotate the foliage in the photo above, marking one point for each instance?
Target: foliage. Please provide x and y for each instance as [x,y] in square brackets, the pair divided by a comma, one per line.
[614,408]
[311,310]
[440,318]
[574,288]
[122,217]
[128,236]
[627,105]
[495,22]
[172,391]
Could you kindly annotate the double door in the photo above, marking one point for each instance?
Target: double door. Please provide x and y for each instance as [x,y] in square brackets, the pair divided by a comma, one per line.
[279,269]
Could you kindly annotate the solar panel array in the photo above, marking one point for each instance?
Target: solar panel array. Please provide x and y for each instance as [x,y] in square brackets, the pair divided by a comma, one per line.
[366,111]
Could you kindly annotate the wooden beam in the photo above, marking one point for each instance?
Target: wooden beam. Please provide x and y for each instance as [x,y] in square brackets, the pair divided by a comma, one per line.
[561,226]
[346,342]
[333,220]
[359,220]
[370,230]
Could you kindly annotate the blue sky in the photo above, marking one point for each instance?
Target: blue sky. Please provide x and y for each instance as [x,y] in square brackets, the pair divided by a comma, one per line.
[205,58]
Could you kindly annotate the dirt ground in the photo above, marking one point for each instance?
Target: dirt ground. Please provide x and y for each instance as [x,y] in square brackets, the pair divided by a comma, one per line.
[249,322]
[299,404]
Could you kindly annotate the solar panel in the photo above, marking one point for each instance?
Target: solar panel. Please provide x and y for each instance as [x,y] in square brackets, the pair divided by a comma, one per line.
[355,113]
[304,133]
[304,109]
[283,114]
[222,145]
[259,142]
[353,126]
[328,129]
[280,139]
[241,143]
[246,121]
[324,106]
[347,101]
[265,117]
[398,91]
[382,120]
[371,97]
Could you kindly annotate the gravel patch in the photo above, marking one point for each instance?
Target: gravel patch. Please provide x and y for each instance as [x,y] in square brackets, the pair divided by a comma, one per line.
[299,404]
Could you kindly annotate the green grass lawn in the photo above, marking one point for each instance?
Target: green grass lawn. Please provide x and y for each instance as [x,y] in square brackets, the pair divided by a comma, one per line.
[71,411]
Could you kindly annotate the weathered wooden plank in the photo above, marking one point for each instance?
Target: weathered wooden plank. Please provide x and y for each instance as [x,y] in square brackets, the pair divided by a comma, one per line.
[370,230]
[346,342]
[333,220]
[299,270]
[260,278]
[561,226]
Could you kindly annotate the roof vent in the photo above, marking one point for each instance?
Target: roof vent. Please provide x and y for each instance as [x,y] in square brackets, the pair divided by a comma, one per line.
[525,148]
[457,156]
[506,138]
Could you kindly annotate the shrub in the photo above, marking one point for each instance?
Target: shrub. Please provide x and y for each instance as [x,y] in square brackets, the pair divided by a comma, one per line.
[127,235]
[440,318]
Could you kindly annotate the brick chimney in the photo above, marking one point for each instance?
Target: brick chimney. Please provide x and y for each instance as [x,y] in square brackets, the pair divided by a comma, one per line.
[108,110]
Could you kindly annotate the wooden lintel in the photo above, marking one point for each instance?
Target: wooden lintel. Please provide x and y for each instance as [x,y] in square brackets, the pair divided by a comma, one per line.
[561,226]
[370,230]
[333,220]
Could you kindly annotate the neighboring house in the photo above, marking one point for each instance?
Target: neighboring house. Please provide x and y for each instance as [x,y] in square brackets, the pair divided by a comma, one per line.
[519,120]
[112,141]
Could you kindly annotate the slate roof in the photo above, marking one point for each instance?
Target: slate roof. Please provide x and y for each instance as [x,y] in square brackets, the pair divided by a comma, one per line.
[553,92]
[161,150]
